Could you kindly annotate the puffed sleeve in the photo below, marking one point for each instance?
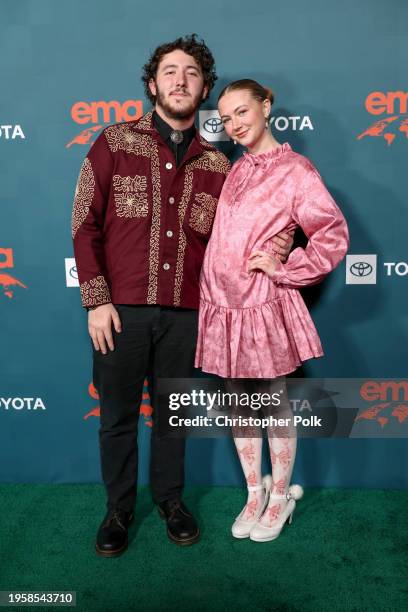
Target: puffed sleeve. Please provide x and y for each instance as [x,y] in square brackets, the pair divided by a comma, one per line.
[90,203]
[326,229]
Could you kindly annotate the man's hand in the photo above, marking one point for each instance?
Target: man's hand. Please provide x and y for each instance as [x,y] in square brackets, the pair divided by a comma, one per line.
[261,260]
[100,321]
[282,244]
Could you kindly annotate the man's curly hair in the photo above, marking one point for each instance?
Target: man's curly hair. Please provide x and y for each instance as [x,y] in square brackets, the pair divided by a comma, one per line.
[190,45]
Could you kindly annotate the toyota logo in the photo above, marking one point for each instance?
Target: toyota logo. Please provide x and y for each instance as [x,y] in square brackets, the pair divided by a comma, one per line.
[361,268]
[213,125]
[74,272]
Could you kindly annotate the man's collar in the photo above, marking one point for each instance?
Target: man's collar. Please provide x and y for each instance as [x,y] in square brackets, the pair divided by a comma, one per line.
[145,125]
[165,129]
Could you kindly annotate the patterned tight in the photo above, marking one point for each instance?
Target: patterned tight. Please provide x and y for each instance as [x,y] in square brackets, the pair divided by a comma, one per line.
[248,442]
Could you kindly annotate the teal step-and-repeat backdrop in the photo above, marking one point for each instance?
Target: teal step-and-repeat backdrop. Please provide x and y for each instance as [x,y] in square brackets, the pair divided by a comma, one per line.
[71,67]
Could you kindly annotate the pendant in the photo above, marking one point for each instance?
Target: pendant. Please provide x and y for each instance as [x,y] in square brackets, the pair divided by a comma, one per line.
[176,136]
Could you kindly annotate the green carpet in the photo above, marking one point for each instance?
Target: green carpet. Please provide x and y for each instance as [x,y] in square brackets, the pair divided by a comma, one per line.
[345,550]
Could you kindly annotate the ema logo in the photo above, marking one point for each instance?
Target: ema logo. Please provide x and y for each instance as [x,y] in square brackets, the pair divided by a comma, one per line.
[361,269]
[7,281]
[393,397]
[211,127]
[98,113]
[71,272]
[11,132]
[146,409]
[393,105]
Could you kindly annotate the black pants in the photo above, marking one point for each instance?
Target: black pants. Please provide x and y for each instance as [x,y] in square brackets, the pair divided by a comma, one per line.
[157,342]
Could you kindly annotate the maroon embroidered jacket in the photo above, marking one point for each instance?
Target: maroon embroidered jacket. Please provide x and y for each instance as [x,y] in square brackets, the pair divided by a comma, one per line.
[139,224]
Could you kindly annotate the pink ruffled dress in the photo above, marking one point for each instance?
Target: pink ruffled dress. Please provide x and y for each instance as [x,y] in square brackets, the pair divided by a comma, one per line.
[252,325]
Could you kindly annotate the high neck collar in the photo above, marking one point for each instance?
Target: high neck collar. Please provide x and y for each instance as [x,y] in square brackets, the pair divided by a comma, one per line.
[272,154]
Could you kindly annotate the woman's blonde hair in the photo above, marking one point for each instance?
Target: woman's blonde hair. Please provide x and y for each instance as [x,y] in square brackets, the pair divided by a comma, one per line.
[256,90]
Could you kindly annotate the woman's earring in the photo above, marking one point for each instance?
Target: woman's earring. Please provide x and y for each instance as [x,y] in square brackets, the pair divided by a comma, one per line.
[266,123]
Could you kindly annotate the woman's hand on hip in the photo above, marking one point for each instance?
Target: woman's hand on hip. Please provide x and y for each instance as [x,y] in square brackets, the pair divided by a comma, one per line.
[282,244]
[261,260]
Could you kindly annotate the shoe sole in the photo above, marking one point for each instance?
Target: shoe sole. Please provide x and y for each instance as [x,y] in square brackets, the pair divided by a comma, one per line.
[110,553]
[186,542]
[270,539]
[264,539]
[240,537]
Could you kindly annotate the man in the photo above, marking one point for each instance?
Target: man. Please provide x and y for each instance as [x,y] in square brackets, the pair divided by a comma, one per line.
[144,205]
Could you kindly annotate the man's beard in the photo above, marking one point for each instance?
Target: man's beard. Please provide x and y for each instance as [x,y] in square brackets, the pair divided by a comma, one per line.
[182,113]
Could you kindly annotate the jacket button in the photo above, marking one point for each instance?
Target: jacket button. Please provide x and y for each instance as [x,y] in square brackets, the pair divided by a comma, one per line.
[169,234]
[171,200]
[169,165]
[166,266]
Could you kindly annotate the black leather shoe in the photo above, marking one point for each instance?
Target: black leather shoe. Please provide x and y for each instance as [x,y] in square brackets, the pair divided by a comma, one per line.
[112,538]
[181,525]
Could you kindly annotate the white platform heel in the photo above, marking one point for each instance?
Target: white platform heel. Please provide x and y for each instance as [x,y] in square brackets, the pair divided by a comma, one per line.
[262,533]
[242,528]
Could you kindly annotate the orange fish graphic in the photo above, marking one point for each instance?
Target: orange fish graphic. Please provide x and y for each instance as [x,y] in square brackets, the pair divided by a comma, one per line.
[404,127]
[378,129]
[8,281]
[96,412]
[84,137]
[145,408]
[382,421]
[400,412]
[92,391]
[372,413]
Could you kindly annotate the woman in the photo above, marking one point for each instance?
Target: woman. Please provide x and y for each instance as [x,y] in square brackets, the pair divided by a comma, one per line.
[253,325]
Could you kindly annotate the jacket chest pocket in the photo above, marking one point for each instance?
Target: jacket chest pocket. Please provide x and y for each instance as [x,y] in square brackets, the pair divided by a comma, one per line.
[130,196]
[202,212]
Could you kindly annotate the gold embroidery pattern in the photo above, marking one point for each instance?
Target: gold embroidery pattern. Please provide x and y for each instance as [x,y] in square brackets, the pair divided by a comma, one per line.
[202,212]
[84,193]
[155,228]
[213,161]
[121,137]
[95,291]
[130,196]
[206,144]
[187,188]
[145,123]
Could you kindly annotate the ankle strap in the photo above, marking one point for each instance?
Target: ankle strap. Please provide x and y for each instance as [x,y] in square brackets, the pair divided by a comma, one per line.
[255,487]
[286,496]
